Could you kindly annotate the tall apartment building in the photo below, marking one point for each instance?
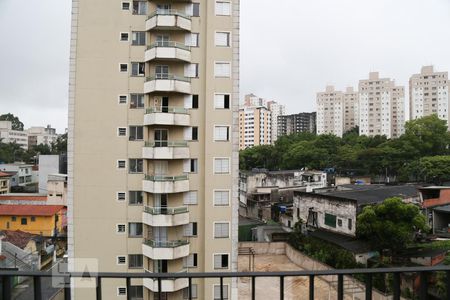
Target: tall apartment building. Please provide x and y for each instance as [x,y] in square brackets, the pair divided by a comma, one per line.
[429,94]
[276,110]
[9,135]
[41,136]
[153,143]
[296,123]
[350,109]
[330,111]
[254,127]
[253,100]
[381,107]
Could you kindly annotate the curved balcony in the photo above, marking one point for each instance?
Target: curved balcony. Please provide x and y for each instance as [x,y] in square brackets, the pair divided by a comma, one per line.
[167,284]
[168,19]
[166,115]
[167,83]
[166,150]
[165,249]
[161,184]
[165,216]
[168,51]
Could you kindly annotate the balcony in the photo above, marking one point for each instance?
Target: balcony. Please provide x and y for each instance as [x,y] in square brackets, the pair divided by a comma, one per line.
[167,83]
[168,19]
[167,284]
[166,150]
[161,184]
[165,216]
[177,116]
[165,249]
[168,51]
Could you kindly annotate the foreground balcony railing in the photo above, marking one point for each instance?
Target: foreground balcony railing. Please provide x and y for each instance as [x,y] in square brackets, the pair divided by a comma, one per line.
[424,273]
[166,210]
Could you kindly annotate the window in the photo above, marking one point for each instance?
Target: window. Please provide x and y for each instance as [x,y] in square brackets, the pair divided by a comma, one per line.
[217,292]
[122,99]
[193,293]
[190,198]
[123,67]
[220,261]
[222,69]
[136,133]
[222,101]
[190,229]
[192,39]
[190,261]
[125,5]
[194,101]
[190,165]
[139,7]
[121,164]
[221,230]
[138,38]
[350,224]
[135,229]
[221,166]
[124,36]
[191,134]
[136,165]
[33,219]
[137,101]
[13,218]
[135,197]
[121,228]
[330,220]
[221,198]
[137,69]
[135,261]
[136,292]
[196,9]
[121,291]
[223,8]
[221,133]
[339,221]
[120,196]
[121,260]
[222,39]
[23,221]
[191,70]
[122,131]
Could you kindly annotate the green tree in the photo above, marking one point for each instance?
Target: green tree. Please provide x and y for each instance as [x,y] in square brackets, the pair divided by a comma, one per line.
[434,169]
[16,124]
[60,145]
[390,225]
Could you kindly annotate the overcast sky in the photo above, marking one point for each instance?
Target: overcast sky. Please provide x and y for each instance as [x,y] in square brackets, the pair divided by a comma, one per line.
[290,49]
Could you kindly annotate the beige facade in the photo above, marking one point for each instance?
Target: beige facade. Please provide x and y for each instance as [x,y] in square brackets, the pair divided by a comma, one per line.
[8,135]
[351,110]
[381,107]
[4,183]
[429,94]
[277,110]
[153,142]
[254,127]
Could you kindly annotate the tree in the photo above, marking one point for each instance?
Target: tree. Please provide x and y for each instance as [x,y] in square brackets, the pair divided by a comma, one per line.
[434,169]
[16,124]
[60,145]
[390,225]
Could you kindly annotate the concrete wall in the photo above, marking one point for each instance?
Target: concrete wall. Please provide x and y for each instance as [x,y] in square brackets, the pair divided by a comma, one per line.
[274,248]
[48,164]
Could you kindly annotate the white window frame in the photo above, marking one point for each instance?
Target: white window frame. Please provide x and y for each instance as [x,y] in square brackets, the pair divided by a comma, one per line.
[118,198]
[224,285]
[118,131]
[222,1]
[214,197]
[120,68]
[194,295]
[214,229]
[119,160]
[188,41]
[126,99]
[191,203]
[118,262]
[118,291]
[128,37]
[223,104]
[229,38]
[216,139]
[224,253]
[129,5]
[222,62]
[120,232]
[214,166]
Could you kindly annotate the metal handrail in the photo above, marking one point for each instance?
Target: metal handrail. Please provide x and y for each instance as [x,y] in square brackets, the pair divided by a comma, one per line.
[165,244]
[165,178]
[164,76]
[169,44]
[184,270]
[166,143]
[168,12]
[167,109]
[166,210]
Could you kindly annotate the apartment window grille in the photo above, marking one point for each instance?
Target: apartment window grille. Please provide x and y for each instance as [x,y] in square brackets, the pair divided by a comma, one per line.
[221,198]
[221,133]
[222,39]
[120,196]
[122,99]
[125,5]
[222,69]
[123,67]
[121,291]
[121,228]
[221,166]
[122,131]
[190,198]
[223,8]
[121,260]
[121,164]
[124,36]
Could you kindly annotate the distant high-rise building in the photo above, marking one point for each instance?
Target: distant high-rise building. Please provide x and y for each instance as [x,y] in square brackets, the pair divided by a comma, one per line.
[254,127]
[253,100]
[330,112]
[381,107]
[350,109]
[429,94]
[41,136]
[276,110]
[296,123]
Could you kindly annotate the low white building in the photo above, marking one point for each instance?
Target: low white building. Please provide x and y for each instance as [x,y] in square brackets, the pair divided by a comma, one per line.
[22,174]
[41,136]
[8,135]
[57,189]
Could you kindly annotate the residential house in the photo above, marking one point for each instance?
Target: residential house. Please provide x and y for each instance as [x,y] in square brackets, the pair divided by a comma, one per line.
[22,174]
[436,207]
[5,183]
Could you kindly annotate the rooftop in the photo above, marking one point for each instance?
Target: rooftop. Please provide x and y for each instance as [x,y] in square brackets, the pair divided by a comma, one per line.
[18,238]
[3,174]
[347,242]
[29,210]
[23,196]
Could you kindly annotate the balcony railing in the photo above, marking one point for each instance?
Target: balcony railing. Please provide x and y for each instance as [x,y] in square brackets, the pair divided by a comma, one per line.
[169,44]
[166,210]
[98,278]
[161,178]
[165,76]
[165,143]
[166,109]
[168,12]
[165,244]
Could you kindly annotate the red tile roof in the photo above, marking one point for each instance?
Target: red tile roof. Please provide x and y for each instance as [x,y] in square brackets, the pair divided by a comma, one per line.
[17,237]
[23,197]
[3,174]
[29,210]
